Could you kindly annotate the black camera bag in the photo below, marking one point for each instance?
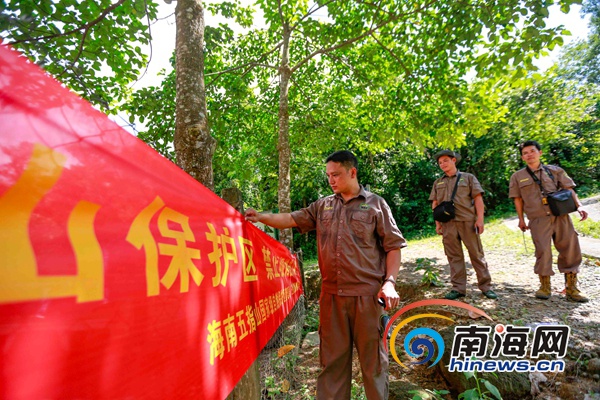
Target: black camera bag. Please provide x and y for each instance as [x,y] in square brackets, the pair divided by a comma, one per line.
[444,211]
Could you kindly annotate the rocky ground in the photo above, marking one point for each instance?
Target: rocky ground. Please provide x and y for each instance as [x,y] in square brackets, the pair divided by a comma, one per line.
[511,265]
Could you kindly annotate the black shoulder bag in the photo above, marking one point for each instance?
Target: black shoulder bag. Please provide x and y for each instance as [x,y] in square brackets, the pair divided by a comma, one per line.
[560,202]
[444,211]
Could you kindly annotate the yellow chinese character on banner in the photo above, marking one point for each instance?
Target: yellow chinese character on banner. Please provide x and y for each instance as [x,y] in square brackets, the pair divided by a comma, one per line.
[19,277]
[230,332]
[241,324]
[273,304]
[263,310]
[285,268]
[248,267]
[215,338]
[276,266]
[250,318]
[267,261]
[223,246]
[269,301]
[182,256]
[258,316]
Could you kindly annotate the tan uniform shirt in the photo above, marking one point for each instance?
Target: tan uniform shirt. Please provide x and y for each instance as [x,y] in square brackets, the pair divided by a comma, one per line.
[522,185]
[352,239]
[468,188]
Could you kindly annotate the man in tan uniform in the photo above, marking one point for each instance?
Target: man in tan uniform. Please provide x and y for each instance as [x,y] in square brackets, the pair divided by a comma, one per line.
[465,227]
[544,226]
[359,258]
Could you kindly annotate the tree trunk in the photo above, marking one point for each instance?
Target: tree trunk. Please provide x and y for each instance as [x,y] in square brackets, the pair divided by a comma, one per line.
[194,147]
[283,145]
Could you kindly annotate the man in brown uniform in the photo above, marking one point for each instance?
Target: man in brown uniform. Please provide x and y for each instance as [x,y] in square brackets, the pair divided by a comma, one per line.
[359,258]
[466,226]
[544,226]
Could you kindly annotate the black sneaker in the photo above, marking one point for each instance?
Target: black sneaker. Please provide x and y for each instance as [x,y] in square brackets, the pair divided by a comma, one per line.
[453,295]
[490,294]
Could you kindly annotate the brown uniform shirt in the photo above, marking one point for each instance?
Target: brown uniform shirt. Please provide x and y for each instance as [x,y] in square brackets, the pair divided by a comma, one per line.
[352,239]
[468,188]
[522,185]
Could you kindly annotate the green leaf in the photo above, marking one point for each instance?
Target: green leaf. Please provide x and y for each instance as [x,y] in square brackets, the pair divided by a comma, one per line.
[470,394]
[493,389]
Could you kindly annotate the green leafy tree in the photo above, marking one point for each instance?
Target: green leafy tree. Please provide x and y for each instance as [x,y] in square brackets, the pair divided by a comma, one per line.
[93,47]
[154,106]
[358,75]
[414,57]
[555,110]
[581,60]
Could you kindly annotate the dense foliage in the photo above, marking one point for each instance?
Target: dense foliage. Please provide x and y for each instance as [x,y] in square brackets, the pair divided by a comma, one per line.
[356,98]
[93,47]
[431,75]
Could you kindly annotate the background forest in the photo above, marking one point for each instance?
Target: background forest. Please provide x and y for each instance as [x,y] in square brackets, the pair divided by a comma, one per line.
[392,81]
[258,102]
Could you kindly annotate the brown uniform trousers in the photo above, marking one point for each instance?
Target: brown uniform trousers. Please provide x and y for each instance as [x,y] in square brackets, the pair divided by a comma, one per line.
[455,232]
[546,229]
[345,320]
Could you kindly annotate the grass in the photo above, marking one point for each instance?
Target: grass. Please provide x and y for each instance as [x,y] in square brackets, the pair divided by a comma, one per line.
[426,240]
[499,236]
[496,236]
[588,227]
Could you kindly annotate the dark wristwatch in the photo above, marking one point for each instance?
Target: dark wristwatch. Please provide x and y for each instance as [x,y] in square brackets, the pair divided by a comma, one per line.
[388,280]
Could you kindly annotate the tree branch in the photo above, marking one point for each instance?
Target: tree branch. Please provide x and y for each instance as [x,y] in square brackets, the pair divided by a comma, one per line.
[310,12]
[85,27]
[280,12]
[351,68]
[359,37]
[250,64]
[85,33]
[149,43]
[407,72]
[378,7]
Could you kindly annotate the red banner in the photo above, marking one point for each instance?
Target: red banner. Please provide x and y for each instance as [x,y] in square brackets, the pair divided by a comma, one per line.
[120,275]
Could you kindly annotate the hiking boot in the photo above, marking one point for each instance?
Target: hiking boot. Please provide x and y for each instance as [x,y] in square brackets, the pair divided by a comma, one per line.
[573,294]
[545,291]
[453,295]
[490,294]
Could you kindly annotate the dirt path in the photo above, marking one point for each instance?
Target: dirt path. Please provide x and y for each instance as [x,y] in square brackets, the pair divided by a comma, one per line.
[590,247]
[592,205]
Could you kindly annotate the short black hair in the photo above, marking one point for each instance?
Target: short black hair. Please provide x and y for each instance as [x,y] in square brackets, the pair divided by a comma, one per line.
[529,143]
[345,157]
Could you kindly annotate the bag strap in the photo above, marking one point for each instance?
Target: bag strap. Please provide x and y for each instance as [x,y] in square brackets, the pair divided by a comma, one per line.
[455,187]
[557,182]
[537,180]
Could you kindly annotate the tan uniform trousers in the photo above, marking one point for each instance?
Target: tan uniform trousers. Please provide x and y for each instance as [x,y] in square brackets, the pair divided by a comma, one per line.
[453,233]
[561,231]
[344,321]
